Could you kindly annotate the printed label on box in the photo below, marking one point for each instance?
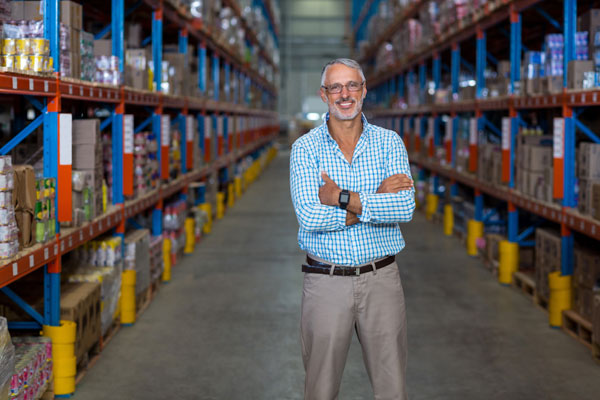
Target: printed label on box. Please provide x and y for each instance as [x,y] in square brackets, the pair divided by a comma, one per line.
[505,133]
[128,134]
[66,144]
[558,146]
[473,131]
[165,130]
[189,128]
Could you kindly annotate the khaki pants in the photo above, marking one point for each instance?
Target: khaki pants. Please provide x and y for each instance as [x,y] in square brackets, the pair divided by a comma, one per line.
[332,307]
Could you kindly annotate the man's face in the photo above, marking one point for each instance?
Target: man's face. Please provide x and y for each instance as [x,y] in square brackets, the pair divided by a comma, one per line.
[347,104]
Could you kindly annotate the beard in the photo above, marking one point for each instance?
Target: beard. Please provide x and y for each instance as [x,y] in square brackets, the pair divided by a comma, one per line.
[338,114]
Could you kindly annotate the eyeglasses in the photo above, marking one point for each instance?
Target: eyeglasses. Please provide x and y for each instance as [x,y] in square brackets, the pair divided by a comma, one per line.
[338,87]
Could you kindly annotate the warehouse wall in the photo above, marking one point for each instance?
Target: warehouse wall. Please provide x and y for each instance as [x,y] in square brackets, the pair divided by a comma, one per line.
[314,32]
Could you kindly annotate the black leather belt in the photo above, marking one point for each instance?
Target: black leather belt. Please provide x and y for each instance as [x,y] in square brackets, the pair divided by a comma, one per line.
[317,267]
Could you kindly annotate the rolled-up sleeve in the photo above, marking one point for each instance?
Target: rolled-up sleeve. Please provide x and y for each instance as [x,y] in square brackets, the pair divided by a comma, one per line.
[305,180]
[385,208]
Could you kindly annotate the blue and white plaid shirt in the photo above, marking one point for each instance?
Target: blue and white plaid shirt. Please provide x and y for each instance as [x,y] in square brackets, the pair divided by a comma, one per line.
[379,154]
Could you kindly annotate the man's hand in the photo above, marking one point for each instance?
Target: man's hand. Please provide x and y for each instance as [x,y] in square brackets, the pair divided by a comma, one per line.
[329,193]
[351,218]
[396,183]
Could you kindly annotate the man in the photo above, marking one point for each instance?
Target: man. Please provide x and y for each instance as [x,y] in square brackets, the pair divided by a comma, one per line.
[351,186]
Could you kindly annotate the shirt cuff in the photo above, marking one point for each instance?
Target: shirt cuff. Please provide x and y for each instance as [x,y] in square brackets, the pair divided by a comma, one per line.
[364,201]
[339,216]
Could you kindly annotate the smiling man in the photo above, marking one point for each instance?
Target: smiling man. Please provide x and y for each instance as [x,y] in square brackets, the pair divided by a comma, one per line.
[351,187]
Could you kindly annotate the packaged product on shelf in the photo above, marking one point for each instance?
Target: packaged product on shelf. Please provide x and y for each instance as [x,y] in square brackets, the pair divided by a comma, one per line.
[107,70]
[24,199]
[88,161]
[9,233]
[45,221]
[33,367]
[581,74]
[136,68]
[548,245]
[7,359]
[156,258]
[88,65]
[137,257]
[100,261]
[586,202]
[145,163]
[175,154]
[588,161]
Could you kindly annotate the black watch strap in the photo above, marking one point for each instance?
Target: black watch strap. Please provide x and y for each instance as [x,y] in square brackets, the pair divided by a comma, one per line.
[344,199]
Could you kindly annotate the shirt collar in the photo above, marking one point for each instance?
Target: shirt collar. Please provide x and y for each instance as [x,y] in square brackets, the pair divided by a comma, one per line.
[365,131]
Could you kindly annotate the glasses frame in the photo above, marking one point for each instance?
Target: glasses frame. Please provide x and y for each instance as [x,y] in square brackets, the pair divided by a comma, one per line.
[327,88]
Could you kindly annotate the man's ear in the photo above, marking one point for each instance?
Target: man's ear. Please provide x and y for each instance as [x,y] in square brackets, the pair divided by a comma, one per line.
[323,96]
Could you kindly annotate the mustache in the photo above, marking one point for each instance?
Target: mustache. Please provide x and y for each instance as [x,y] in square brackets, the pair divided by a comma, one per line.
[345,100]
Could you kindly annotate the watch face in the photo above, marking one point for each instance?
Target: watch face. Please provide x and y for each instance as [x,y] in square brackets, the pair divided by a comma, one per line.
[344,198]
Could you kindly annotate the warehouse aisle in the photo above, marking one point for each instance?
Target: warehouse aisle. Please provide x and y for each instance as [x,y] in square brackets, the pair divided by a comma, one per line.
[227,326]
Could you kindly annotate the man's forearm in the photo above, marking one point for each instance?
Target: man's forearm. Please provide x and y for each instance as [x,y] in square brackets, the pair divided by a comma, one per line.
[354,206]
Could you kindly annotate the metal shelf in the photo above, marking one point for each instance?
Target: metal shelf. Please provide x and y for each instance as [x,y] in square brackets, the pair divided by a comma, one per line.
[552,212]
[37,256]
[464,29]
[200,33]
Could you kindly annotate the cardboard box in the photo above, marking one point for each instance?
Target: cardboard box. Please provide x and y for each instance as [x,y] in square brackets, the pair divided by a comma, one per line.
[586,268]
[504,69]
[103,47]
[595,201]
[539,158]
[17,10]
[584,302]
[585,204]
[24,199]
[71,14]
[596,319]
[576,73]
[548,244]
[552,84]
[588,161]
[86,131]
[590,22]
[492,244]
[80,303]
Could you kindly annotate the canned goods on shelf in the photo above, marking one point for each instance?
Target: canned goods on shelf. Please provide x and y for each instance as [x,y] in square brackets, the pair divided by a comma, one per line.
[6,181]
[22,63]
[48,64]
[7,61]
[40,47]
[8,250]
[9,47]
[23,47]
[6,199]
[36,63]
[7,216]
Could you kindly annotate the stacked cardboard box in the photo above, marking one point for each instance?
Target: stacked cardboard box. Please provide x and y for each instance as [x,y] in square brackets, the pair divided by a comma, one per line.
[586,271]
[588,171]
[548,245]
[534,167]
[136,68]
[24,199]
[137,258]
[80,303]
[156,258]
[87,157]
[490,162]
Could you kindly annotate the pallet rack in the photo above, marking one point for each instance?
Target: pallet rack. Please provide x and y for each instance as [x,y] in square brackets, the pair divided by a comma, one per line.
[48,93]
[473,32]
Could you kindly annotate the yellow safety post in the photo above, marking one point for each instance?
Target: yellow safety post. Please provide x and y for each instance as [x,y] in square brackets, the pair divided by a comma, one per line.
[431,205]
[448,220]
[230,195]
[63,356]
[220,205]
[128,279]
[560,297]
[474,232]
[508,263]
[166,275]
[237,183]
[190,235]
[207,208]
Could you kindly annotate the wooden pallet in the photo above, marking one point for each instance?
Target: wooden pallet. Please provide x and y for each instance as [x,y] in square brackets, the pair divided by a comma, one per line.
[96,351]
[596,351]
[525,283]
[155,287]
[540,301]
[578,327]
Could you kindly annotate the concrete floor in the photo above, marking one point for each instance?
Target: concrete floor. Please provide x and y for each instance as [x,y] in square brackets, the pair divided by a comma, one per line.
[227,326]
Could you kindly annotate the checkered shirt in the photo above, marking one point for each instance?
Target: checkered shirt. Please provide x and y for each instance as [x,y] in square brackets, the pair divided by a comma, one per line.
[379,154]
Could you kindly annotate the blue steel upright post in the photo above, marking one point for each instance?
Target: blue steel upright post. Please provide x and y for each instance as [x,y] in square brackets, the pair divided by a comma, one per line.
[569,26]
[53,268]
[157,17]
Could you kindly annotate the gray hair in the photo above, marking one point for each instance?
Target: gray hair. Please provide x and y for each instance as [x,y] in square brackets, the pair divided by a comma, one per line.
[348,62]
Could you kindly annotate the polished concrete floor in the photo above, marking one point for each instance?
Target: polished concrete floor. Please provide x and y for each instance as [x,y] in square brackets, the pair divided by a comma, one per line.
[227,326]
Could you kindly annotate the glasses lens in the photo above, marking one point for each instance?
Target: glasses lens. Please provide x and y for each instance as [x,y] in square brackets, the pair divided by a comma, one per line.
[335,88]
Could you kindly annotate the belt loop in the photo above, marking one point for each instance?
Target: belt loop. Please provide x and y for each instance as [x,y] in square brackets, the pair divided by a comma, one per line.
[374,267]
[331,270]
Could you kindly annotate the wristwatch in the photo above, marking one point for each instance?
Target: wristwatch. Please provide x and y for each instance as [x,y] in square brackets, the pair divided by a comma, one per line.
[344,199]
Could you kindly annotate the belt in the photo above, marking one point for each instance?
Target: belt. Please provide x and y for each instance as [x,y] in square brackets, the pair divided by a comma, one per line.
[317,267]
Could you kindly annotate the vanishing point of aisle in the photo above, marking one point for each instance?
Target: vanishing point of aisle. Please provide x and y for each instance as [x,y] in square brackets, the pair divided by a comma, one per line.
[227,326]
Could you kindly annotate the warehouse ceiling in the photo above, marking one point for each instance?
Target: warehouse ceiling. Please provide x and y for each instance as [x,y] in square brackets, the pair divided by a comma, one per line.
[313,32]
